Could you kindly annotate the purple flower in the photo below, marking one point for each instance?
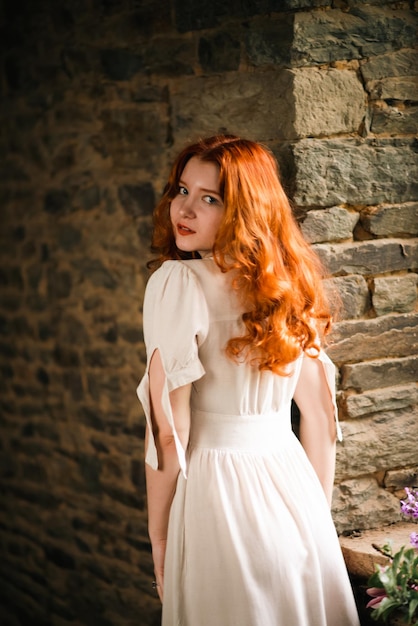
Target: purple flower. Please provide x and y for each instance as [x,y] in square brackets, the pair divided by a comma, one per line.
[378,594]
[413,538]
[409,507]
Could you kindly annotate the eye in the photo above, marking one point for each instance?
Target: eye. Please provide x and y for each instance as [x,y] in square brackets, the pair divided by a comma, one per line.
[210,199]
[182,191]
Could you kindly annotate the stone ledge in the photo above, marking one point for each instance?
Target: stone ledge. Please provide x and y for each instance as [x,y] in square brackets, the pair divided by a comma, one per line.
[360,556]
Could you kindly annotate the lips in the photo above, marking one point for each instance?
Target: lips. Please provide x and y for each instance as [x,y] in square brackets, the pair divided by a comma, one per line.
[184,230]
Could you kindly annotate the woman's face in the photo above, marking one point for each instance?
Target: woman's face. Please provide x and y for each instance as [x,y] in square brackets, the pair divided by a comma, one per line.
[197,210]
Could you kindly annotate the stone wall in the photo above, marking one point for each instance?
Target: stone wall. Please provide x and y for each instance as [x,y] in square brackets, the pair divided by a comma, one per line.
[96,98]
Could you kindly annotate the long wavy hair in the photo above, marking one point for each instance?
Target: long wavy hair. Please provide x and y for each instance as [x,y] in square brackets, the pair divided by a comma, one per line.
[276,274]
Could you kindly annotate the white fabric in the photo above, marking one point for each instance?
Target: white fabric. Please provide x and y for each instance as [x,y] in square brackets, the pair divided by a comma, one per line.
[251,540]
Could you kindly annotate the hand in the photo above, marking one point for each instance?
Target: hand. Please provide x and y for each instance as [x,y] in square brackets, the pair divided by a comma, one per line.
[158,555]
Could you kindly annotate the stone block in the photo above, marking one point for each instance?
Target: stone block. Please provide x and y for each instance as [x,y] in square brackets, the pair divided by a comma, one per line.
[401,478]
[90,468]
[383,66]
[219,52]
[394,120]
[89,198]
[6,372]
[206,14]
[327,102]
[331,224]
[58,202]
[5,325]
[369,257]
[63,160]
[137,200]
[135,137]
[170,56]
[364,31]
[11,277]
[131,499]
[268,40]
[378,443]
[68,237]
[42,376]
[9,467]
[353,296]
[394,294]
[66,356]
[332,172]
[121,22]
[59,283]
[141,90]
[103,385]
[399,88]
[8,350]
[120,63]
[256,105]
[379,373]
[359,555]
[361,504]
[71,115]
[130,333]
[28,250]
[276,5]
[104,357]
[69,329]
[34,496]
[24,595]
[37,302]
[378,400]
[138,475]
[399,219]
[79,60]
[94,271]
[73,383]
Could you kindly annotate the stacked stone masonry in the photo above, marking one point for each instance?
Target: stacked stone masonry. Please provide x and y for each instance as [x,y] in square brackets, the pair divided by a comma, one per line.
[96,99]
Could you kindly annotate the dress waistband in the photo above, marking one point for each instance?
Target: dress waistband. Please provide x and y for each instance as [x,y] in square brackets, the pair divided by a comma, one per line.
[255,432]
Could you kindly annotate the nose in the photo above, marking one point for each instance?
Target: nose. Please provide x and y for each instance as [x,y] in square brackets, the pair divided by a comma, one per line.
[186,208]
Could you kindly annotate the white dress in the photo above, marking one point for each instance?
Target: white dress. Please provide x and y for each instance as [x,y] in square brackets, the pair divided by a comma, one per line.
[251,541]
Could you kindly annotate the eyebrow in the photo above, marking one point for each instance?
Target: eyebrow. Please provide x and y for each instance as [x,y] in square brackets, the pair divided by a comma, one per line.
[216,193]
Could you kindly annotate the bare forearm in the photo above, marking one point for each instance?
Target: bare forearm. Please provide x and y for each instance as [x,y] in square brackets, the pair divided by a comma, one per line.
[161,486]
[161,483]
[317,421]
[318,439]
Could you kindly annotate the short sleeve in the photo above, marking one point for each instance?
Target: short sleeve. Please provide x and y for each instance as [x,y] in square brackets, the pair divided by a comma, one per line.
[175,322]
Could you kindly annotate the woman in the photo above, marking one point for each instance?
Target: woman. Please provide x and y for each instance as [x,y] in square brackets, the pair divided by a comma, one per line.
[239,517]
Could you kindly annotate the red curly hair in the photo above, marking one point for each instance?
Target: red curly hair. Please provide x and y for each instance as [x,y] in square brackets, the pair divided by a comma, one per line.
[276,273]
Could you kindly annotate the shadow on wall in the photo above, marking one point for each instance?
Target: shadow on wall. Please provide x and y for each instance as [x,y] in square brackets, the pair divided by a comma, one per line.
[96,100]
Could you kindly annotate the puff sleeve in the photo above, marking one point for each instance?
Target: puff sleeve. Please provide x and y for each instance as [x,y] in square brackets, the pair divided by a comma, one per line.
[175,322]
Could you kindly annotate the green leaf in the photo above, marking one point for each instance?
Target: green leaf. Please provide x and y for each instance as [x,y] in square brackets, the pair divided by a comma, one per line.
[398,579]
[386,607]
[413,604]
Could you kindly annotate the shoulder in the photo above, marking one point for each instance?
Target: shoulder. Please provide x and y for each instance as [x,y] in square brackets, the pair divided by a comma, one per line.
[174,300]
[173,281]
[171,272]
